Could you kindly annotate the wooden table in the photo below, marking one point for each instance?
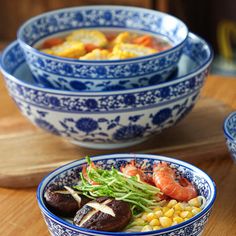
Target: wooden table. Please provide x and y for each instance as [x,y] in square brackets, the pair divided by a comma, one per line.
[20,214]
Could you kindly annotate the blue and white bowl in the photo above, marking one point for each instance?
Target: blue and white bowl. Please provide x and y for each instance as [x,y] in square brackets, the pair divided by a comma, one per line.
[109,119]
[70,74]
[69,175]
[230,134]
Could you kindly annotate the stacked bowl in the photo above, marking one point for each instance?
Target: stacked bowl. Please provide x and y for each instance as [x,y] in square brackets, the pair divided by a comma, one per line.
[105,103]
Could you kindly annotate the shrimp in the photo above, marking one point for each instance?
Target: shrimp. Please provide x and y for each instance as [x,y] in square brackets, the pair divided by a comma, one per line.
[131,169]
[165,178]
[85,174]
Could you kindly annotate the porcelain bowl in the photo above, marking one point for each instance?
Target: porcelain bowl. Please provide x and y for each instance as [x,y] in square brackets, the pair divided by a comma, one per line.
[69,175]
[72,74]
[230,134]
[114,119]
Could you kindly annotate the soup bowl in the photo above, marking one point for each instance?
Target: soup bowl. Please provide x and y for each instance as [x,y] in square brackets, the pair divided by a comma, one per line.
[108,119]
[83,75]
[69,175]
[230,134]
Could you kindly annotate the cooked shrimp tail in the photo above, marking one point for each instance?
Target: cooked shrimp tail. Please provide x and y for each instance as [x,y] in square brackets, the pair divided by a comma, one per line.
[131,169]
[166,179]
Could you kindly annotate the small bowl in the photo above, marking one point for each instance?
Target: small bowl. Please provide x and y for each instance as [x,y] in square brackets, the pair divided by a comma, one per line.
[69,175]
[80,75]
[230,134]
[107,120]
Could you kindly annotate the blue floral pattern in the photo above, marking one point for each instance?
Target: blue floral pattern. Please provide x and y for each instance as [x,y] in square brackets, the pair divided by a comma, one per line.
[129,132]
[70,176]
[109,128]
[230,134]
[230,126]
[232,148]
[77,75]
[161,116]
[86,125]
[43,124]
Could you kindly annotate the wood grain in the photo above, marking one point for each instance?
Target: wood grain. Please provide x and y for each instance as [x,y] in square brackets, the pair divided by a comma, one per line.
[36,153]
[19,212]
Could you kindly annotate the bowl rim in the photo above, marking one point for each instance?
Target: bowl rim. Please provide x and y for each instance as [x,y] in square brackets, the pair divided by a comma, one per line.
[193,73]
[89,62]
[226,131]
[73,164]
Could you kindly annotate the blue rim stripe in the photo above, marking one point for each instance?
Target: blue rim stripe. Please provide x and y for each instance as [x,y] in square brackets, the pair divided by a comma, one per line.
[47,179]
[115,110]
[115,79]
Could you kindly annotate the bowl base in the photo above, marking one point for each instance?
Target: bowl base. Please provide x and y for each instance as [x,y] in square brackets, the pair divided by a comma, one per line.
[108,145]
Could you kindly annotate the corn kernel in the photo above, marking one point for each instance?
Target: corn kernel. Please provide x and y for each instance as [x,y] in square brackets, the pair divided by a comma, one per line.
[174,223]
[195,202]
[165,221]
[158,214]
[96,54]
[188,208]
[190,214]
[178,219]
[150,216]
[169,213]
[154,222]
[177,213]
[157,209]
[146,228]
[179,206]
[196,210]
[157,227]
[127,50]
[171,203]
[144,216]
[165,209]
[186,214]
[122,38]
[139,221]
[88,37]
[69,49]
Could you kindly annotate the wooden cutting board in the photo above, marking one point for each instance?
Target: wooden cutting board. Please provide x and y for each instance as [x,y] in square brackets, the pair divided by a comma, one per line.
[27,153]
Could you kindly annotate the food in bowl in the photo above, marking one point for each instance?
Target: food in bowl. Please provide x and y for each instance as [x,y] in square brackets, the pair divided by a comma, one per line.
[117,184]
[111,119]
[87,44]
[65,73]
[130,199]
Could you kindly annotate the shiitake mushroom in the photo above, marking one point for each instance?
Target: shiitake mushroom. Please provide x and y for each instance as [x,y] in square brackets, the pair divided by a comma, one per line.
[61,202]
[105,214]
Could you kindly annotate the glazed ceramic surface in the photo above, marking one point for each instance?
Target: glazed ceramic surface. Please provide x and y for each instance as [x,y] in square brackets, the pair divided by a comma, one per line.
[69,175]
[63,73]
[230,134]
[109,119]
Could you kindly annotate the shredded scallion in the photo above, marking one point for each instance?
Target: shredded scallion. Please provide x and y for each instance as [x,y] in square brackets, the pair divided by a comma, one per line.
[113,183]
